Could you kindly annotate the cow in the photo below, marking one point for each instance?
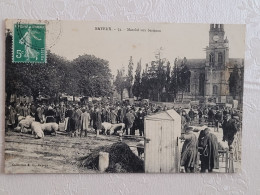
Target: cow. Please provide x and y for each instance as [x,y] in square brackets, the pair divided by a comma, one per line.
[37,130]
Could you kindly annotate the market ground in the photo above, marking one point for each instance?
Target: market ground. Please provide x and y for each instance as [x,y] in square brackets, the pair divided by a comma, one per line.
[61,153]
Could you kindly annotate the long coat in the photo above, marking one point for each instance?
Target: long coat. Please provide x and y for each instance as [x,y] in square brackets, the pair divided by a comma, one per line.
[77,115]
[129,120]
[97,122]
[208,144]
[189,153]
[84,122]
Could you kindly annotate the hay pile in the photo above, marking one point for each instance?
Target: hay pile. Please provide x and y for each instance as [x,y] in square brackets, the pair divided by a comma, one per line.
[121,159]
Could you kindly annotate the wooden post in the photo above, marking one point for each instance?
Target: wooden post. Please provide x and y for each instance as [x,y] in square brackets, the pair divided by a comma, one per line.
[103,161]
[226,161]
[231,163]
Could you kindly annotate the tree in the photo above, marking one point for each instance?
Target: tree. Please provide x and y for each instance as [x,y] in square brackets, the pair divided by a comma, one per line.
[174,80]
[130,78]
[120,83]
[145,86]
[168,81]
[92,75]
[137,80]
[235,82]
[183,78]
[86,75]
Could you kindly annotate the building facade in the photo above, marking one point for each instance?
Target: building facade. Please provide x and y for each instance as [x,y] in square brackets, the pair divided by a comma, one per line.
[210,76]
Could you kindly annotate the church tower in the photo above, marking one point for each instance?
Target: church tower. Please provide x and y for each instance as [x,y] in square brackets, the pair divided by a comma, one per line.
[216,70]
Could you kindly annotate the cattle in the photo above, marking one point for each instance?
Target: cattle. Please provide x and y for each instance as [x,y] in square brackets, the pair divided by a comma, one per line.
[37,130]
[50,128]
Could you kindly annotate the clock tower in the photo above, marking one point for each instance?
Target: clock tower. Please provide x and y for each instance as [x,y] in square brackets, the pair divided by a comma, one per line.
[216,70]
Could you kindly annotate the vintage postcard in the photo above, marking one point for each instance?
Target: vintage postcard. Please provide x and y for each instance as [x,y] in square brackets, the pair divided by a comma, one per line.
[105,97]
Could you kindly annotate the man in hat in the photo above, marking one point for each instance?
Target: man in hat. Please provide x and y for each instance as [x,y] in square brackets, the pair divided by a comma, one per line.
[50,114]
[230,128]
[208,148]
[140,121]
[84,122]
[189,153]
[129,121]
[97,121]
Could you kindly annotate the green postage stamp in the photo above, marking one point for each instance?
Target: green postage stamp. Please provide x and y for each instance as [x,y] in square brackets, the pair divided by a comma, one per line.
[29,43]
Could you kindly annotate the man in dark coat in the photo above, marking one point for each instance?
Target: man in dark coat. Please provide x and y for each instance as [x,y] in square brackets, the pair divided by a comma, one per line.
[129,121]
[50,115]
[191,115]
[208,148]
[189,153]
[140,121]
[230,128]
[97,122]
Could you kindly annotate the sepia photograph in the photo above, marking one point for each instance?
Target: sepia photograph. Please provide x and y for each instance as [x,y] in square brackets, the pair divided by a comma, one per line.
[114,97]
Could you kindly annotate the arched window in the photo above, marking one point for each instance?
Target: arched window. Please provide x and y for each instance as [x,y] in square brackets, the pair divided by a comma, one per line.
[215,90]
[220,57]
[211,57]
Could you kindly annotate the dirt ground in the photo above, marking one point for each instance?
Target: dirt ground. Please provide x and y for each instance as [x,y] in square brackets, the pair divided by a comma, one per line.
[53,154]
[60,154]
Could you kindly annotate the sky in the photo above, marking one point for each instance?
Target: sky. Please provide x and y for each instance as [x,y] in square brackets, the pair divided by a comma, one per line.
[73,38]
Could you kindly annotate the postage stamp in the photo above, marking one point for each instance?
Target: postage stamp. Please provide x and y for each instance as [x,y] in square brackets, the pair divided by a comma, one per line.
[29,43]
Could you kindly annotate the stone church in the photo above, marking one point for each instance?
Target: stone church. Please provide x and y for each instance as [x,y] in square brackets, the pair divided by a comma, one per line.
[209,78]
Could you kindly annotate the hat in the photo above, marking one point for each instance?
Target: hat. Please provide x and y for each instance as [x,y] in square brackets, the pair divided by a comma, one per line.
[50,108]
[187,129]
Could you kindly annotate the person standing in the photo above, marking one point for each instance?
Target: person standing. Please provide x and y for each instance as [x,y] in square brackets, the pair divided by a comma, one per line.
[230,128]
[208,148]
[200,115]
[113,116]
[10,117]
[84,122]
[191,115]
[140,121]
[97,121]
[129,121]
[189,153]
[50,115]
[77,119]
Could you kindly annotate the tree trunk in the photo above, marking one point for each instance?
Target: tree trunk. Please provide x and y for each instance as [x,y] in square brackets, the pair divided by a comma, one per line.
[8,98]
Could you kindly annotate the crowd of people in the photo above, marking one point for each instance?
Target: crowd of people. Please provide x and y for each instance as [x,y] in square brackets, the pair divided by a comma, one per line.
[81,118]
[205,147]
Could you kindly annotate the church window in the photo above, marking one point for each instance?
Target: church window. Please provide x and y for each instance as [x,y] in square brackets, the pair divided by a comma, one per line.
[220,57]
[211,58]
[215,90]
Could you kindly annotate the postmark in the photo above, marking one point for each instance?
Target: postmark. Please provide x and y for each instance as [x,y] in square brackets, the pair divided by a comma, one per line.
[29,43]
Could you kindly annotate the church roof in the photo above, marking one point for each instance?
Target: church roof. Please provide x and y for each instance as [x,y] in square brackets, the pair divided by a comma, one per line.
[193,63]
[200,63]
[196,63]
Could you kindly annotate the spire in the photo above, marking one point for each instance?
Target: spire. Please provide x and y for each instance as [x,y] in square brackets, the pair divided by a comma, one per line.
[216,27]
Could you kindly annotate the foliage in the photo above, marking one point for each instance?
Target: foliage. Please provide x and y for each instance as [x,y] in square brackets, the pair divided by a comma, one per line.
[86,75]
[235,83]
[137,82]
